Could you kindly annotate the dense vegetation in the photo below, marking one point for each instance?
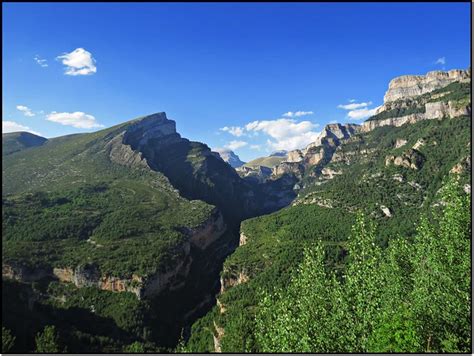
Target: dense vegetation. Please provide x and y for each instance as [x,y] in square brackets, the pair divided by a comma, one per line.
[66,203]
[412,297]
[123,226]
[276,242]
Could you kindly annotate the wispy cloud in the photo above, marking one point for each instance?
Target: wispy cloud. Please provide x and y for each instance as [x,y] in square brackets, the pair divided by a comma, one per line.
[297,113]
[441,60]
[12,126]
[78,62]
[42,62]
[234,145]
[256,147]
[25,110]
[76,119]
[233,130]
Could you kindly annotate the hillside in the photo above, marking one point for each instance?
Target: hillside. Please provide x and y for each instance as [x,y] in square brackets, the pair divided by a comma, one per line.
[133,235]
[268,162]
[98,211]
[391,168]
[17,141]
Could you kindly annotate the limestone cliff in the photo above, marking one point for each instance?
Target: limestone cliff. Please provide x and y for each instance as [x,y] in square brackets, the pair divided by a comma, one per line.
[413,85]
[407,94]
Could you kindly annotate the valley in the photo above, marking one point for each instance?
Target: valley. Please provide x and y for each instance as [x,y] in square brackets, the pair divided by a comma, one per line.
[154,239]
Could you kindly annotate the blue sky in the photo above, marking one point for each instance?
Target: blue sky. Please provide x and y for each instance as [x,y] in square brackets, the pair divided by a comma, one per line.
[226,73]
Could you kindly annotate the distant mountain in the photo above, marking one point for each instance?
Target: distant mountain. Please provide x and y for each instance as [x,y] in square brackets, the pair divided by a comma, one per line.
[281,153]
[230,157]
[17,141]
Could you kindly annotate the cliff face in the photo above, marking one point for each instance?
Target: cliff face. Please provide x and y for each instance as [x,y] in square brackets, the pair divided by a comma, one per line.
[407,94]
[408,86]
[89,275]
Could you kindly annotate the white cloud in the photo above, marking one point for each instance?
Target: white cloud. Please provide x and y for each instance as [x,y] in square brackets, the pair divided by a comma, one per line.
[76,119]
[25,110]
[78,62]
[361,113]
[234,145]
[256,147]
[358,111]
[42,62]
[233,130]
[441,61]
[12,126]
[297,113]
[353,105]
[287,134]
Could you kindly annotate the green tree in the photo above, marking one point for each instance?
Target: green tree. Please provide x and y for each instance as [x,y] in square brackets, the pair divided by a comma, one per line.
[135,347]
[47,341]
[286,318]
[8,340]
[442,274]
[411,297]
[363,283]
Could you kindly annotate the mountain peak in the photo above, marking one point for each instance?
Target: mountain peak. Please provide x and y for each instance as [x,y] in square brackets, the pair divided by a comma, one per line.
[144,128]
[230,157]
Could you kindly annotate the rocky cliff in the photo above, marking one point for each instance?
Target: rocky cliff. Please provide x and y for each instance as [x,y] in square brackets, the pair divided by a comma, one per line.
[409,99]
[407,86]
[89,275]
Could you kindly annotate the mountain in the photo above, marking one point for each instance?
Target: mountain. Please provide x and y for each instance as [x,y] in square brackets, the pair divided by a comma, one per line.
[135,235]
[17,141]
[281,153]
[391,168]
[90,215]
[230,157]
[133,214]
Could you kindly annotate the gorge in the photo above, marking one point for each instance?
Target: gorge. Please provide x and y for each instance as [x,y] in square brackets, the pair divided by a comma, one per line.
[137,214]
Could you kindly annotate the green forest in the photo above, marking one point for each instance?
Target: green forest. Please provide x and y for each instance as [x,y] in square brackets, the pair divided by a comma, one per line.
[412,296]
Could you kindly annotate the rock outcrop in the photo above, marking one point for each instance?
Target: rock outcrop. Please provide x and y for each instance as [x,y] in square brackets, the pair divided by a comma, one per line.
[259,173]
[318,152]
[412,159]
[408,86]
